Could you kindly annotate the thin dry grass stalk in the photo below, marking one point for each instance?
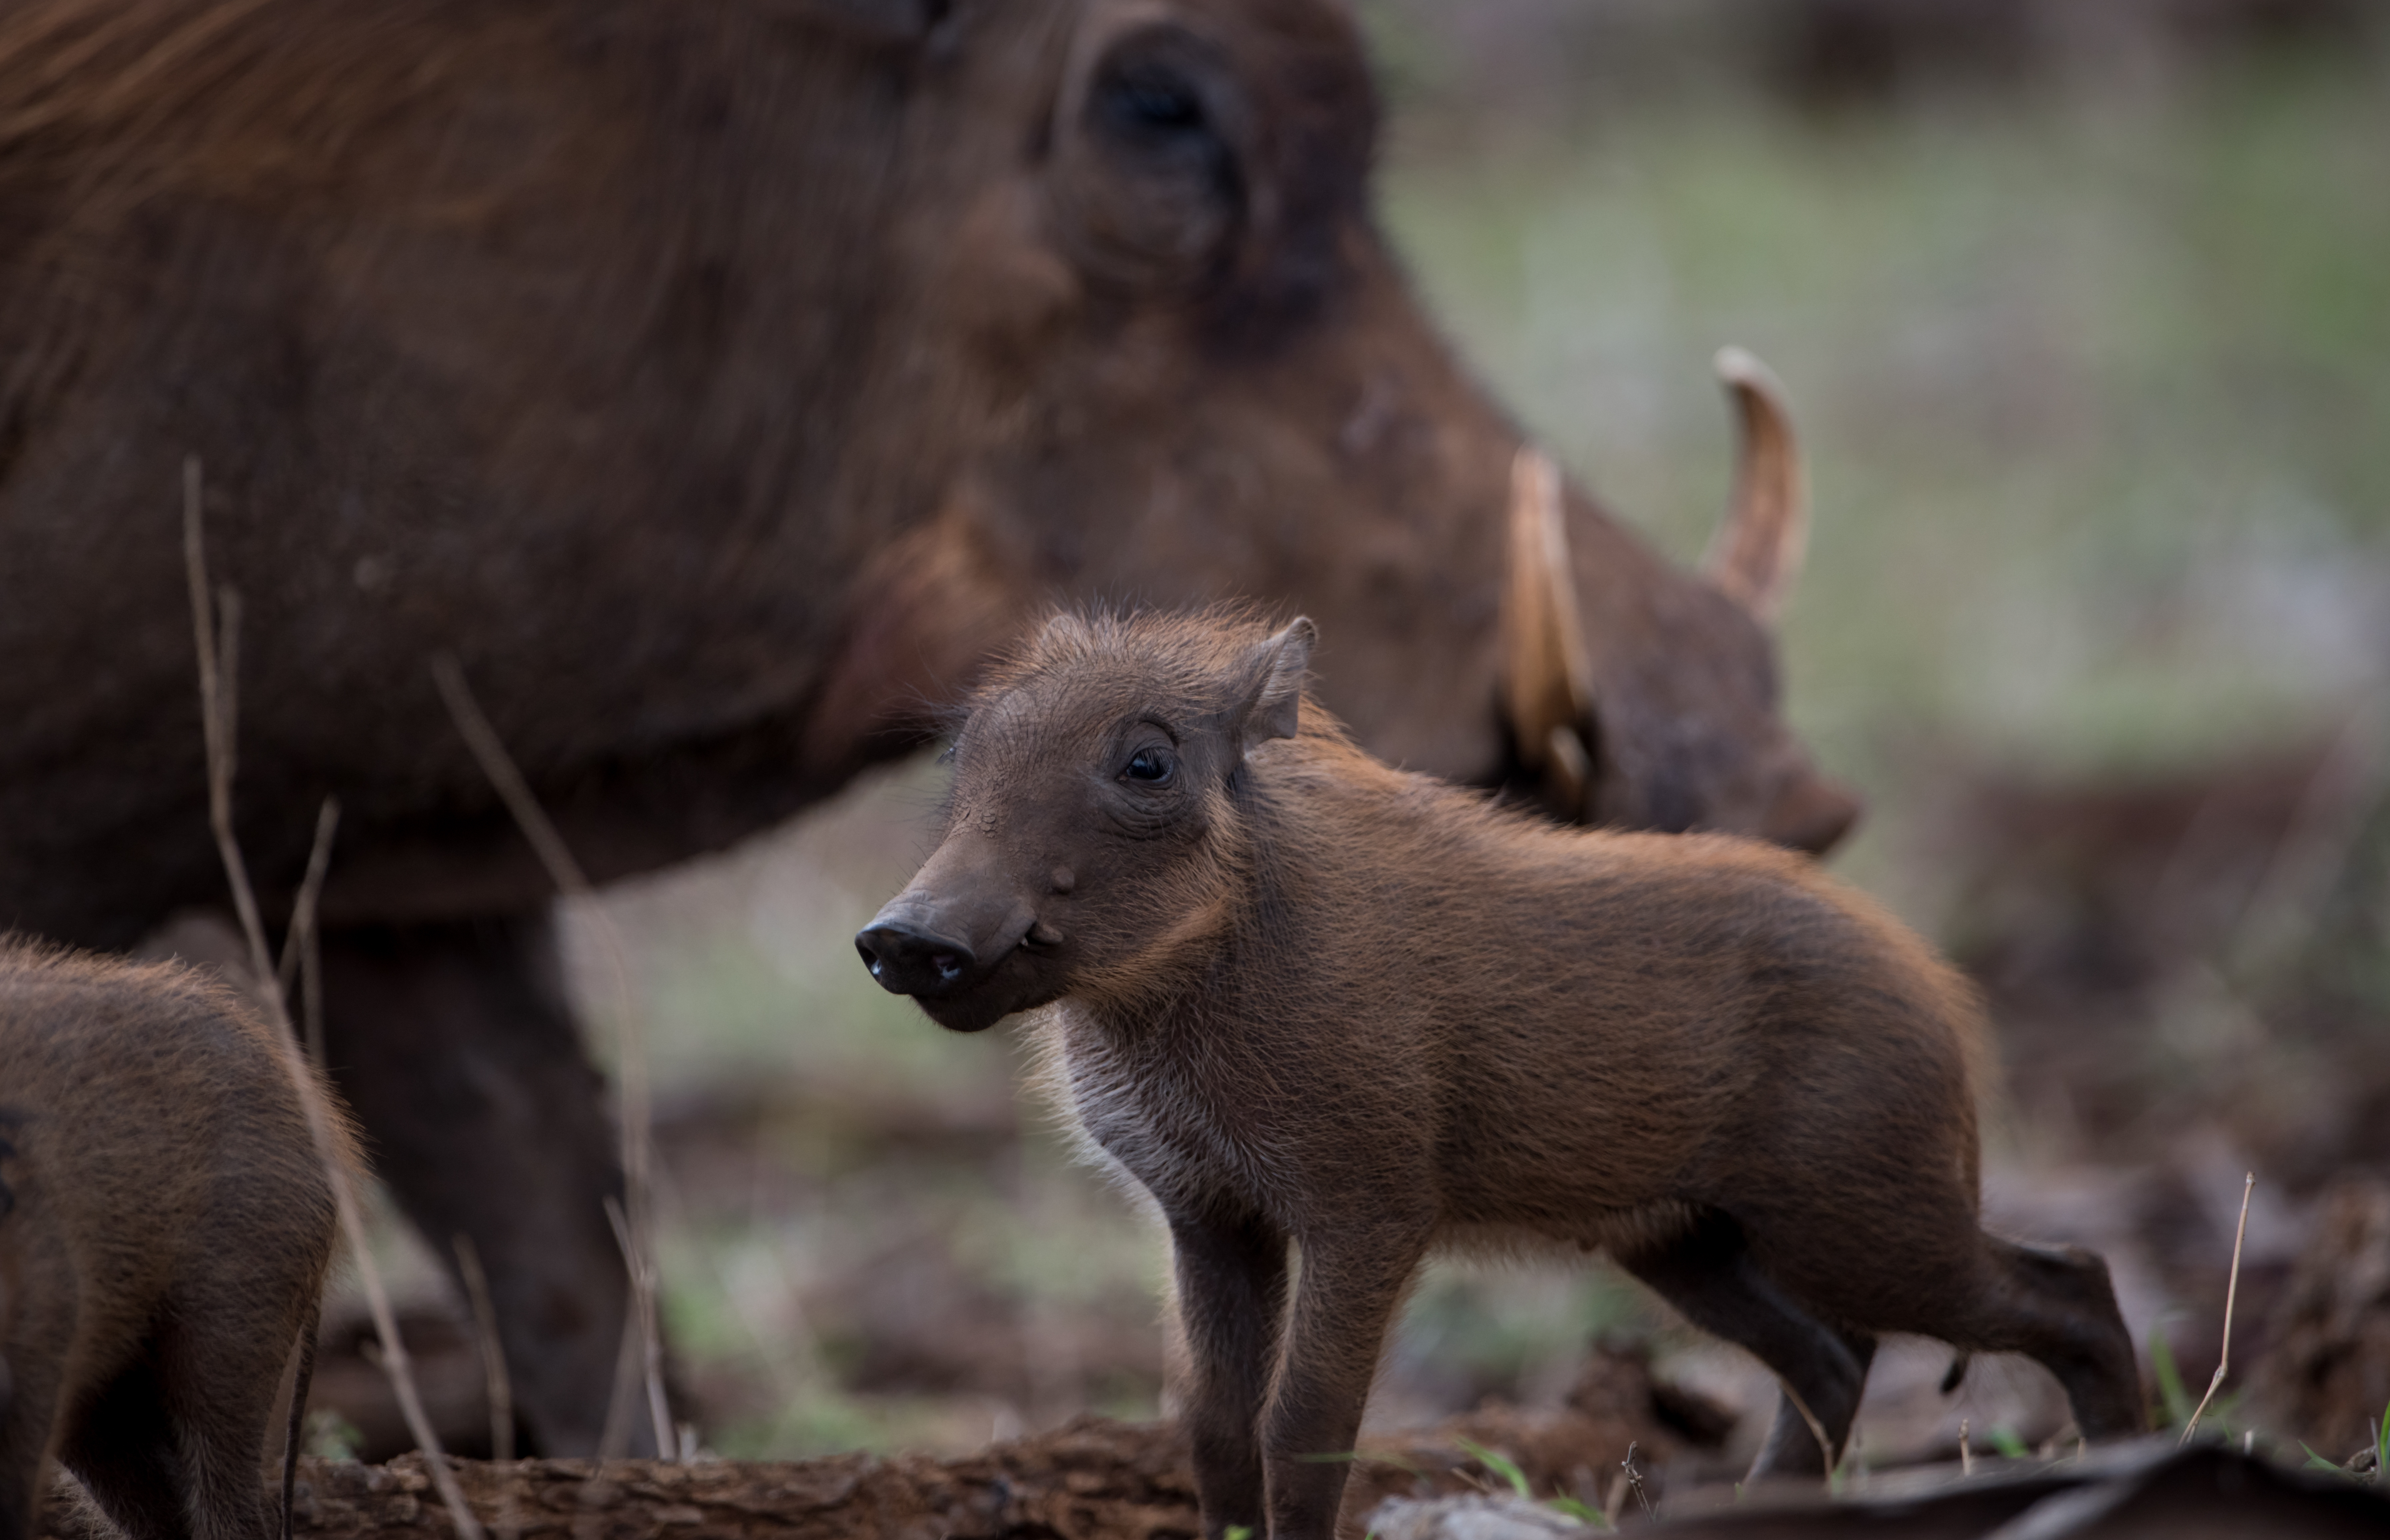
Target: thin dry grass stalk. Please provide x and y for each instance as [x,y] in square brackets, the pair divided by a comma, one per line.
[219,660]
[301,954]
[638,1262]
[500,1385]
[1817,1428]
[2231,1290]
[494,1352]
[631,1047]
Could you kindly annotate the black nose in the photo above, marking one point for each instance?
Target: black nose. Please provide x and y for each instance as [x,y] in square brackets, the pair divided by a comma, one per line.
[909,960]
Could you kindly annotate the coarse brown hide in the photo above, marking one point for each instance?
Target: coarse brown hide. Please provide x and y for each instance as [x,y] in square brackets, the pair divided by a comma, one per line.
[720,382]
[163,1250]
[1301,996]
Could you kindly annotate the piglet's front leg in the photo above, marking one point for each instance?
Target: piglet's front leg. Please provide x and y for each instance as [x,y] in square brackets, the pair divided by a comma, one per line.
[1351,1284]
[1231,1277]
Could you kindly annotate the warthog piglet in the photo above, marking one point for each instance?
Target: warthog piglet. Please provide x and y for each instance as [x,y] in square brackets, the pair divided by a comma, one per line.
[168,1226]
[1300,995]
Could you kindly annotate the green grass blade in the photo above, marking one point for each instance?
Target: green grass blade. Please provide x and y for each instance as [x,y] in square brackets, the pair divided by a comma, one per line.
[2171,1393]
[1498,1464]
[2317,1462]
[1582,1512]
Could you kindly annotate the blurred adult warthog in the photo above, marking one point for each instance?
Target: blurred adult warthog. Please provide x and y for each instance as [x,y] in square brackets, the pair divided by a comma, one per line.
[720,381]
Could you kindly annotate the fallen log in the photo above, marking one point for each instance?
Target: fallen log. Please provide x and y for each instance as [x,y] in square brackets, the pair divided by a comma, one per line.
[1092,1478]
[1092,1481]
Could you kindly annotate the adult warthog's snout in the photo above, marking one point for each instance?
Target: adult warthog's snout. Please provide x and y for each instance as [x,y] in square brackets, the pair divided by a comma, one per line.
[909,958]
[1813,816]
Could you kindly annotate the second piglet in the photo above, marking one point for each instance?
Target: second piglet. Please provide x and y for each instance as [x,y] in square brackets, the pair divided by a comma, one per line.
[1302,997]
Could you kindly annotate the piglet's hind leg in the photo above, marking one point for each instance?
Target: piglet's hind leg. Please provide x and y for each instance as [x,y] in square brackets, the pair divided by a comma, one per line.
[1708,1273]
[2056,1305]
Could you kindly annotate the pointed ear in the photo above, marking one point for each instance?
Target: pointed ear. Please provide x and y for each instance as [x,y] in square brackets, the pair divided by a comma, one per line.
[1756,552]
[1273,704]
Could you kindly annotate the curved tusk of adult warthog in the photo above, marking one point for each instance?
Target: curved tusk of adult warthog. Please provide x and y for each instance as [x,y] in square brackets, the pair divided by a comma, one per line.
[1546,680]
[1756,553]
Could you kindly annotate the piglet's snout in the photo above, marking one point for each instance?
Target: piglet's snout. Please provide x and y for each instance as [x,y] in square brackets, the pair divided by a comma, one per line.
[953,926]
[910,957]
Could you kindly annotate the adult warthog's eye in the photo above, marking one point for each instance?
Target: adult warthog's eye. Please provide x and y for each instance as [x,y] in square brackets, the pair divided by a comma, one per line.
[1150,103]
[1151,765]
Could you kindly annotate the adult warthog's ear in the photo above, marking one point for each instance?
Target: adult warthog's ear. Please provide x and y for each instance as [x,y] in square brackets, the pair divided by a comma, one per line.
[1274,670]
[1756,552]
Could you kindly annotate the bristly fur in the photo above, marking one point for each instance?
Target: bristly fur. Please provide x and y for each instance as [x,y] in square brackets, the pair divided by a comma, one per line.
[167,1252]
[1304,998]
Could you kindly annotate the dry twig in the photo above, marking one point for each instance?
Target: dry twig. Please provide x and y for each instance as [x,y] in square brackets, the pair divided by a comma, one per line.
[303,955]
[1817,1428]
[500,1387]
[2232,1288]
[494,1352]
[219,660]
[1635,1480]
[631,1047]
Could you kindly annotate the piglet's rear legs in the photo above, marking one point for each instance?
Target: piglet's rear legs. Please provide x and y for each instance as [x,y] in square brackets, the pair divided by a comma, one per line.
[2056,1305]
[1709,1275]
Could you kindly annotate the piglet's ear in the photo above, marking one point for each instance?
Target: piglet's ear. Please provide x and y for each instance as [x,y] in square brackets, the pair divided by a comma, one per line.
[1273,703]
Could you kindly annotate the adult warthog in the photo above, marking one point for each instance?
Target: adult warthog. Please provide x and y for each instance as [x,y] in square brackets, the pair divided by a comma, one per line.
[718,383]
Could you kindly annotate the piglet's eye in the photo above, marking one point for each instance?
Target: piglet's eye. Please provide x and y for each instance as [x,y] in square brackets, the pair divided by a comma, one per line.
[1151,765]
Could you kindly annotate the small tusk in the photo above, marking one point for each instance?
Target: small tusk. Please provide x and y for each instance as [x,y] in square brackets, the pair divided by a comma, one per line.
[1569,769]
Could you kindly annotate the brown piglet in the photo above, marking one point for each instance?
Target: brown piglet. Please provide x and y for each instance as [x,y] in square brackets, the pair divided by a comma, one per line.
[167,1226]
[1301,997]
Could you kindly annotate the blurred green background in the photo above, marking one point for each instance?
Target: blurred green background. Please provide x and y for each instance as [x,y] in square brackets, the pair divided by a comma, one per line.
[2088,335]
[2094,374]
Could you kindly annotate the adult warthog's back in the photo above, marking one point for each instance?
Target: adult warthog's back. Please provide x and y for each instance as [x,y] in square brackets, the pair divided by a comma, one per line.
[720,383]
